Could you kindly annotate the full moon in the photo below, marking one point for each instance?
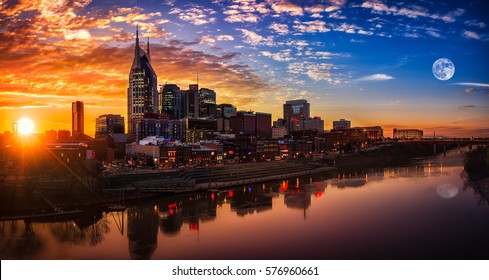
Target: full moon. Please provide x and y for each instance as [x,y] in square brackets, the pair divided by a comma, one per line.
[25,126]
[447,190]
[443,69]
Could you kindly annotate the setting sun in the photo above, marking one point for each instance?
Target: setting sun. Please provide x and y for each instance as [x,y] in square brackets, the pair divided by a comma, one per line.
[25,126]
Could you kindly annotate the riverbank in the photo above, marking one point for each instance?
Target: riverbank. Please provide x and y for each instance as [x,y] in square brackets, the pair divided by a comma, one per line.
[194,179]
[137,186]
[392,154]
[133,188]
[476,166]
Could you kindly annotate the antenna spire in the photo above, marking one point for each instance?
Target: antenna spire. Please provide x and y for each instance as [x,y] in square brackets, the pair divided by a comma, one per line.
[147,49]
[137,54]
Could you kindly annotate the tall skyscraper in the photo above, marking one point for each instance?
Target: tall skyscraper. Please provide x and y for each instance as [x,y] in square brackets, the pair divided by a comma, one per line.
[77,118]
[142,93]
[297,109]
[263,125]
[191,102]
[170,101]
[243,123]
[208,107]
[294,111]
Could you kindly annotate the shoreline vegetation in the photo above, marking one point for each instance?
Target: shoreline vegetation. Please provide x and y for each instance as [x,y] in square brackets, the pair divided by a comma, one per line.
[476,166]
[137,187]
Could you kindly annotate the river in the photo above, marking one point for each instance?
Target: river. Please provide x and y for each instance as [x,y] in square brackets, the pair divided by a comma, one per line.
[423,210]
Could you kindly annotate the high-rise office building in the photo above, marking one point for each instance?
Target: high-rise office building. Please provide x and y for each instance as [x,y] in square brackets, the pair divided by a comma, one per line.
[226,110]
[263,125]
[142,93]
[170,101]
[243,123]
[207,98]
[109,124]
[191,102]
[295,110]
[77,118]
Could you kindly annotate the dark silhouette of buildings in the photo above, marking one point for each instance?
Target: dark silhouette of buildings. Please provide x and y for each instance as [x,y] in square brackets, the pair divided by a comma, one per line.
[191,102]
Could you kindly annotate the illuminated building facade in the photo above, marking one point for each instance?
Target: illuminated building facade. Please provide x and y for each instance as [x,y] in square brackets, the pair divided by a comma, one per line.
[142,93]
[170,101]
[407,133]
[207,99]
[294,111]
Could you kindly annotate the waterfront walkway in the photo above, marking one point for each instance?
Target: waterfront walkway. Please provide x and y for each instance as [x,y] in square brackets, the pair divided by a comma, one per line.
[192,179]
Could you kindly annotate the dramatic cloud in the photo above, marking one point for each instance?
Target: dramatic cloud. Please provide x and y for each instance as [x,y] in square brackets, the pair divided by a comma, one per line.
[254,39]
[466,107]
[469,84]
[253,53]
[282,29]
[434,34]
[245,11]
[286,7]
[375,77]
[413,11]
[242,18]
[311,26]
[279,56]
[224,38]
[195,15]
[471,35]
[476,23]
[315,71]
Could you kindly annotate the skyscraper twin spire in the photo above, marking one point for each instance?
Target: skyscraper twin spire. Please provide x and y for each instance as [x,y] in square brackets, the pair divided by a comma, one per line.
[142,93]
[137,53]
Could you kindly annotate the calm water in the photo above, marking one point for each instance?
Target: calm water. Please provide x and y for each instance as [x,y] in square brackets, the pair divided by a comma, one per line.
[420,211]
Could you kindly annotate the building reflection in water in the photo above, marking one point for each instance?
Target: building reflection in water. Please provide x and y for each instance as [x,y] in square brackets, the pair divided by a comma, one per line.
[248,200]
[142,230]
[189,209]
[21,238]
[90,225]
[300,195]
[19,241]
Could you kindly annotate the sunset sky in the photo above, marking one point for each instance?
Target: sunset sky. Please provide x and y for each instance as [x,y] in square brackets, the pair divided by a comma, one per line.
[366,61]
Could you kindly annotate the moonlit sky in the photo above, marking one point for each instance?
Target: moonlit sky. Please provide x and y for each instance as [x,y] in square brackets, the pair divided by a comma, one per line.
[366,61]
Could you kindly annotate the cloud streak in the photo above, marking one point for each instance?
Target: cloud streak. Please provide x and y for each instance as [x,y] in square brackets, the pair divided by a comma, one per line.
[374,78]
[469,84]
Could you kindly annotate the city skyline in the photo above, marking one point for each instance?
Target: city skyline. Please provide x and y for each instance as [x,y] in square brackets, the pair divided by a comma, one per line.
[365,61]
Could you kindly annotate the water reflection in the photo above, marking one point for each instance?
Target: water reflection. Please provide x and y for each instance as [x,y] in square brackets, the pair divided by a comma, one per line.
[406,214]
[142,230]
[250,200]
[27,239]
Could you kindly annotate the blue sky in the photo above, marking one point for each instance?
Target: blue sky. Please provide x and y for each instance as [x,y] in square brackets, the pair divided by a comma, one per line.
[367,61]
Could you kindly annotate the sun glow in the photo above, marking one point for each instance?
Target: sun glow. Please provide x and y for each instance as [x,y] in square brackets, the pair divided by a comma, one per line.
[25,126]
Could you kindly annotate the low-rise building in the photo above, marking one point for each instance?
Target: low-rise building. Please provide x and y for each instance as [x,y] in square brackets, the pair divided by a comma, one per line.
[407,133]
